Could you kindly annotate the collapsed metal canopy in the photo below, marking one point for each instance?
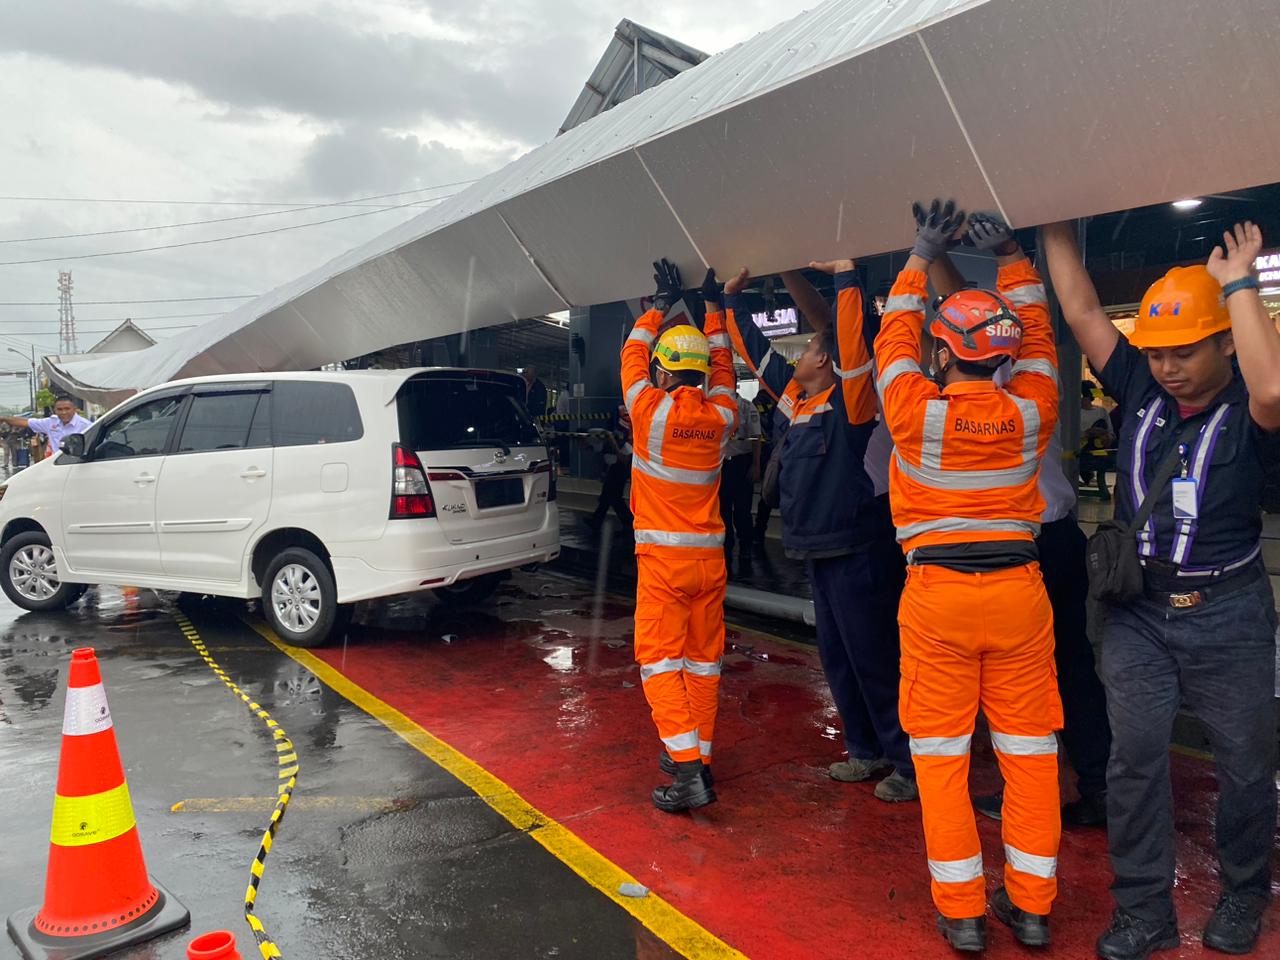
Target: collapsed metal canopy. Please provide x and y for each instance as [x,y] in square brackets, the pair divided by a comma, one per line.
[807,141]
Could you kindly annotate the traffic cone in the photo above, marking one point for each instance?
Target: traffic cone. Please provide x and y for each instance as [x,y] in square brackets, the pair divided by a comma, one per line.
[97,897]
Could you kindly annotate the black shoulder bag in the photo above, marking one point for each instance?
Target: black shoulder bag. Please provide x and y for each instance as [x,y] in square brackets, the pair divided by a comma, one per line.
[1115,572]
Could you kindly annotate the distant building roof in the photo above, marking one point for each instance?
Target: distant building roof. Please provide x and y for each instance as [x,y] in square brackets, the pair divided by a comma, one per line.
[636,59]
[128,336]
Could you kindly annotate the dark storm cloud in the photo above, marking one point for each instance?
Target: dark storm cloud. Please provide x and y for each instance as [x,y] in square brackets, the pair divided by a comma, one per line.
[308,65]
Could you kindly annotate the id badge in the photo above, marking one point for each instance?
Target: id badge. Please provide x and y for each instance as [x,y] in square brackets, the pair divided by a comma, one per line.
[1185,500]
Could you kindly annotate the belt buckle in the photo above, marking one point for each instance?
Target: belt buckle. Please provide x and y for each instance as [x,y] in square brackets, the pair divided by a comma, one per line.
[1184,601]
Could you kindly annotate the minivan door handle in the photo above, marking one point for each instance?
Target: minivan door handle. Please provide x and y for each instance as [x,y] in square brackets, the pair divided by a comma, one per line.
[253,473]
[143,479]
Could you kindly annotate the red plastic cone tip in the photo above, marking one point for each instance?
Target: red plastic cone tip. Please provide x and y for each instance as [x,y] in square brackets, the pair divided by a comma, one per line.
[84,669]
[218,945]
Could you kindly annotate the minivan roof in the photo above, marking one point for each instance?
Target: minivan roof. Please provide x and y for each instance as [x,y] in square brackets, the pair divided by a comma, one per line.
[392,379]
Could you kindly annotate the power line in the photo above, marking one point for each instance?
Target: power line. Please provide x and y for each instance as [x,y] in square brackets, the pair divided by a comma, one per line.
[197,243]
[81,329]
[230,203]
[245,216]
[99,303]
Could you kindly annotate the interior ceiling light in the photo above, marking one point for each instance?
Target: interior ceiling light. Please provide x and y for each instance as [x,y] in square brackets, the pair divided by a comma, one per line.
[1188,204]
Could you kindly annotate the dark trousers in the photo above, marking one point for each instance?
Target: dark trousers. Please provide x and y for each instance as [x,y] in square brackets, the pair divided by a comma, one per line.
[1086,734]
[1220,658]
[735,502]
[763,510]
[611,490]
[855,599]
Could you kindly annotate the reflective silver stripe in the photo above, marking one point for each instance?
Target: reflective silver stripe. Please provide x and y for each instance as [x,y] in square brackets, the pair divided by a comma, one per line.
[682,741]
[703,478]
[894,371]
[810,414]
[671,538]
[935,426]
[643,336]
[1031,863]
[719,341]
[701,669]
[670,665]
[1013,745]
[904,301]
[956,871]
[720,392]
[704,747]
[727,416]
[941,746]
[1026,294]
[968,479]
[1036,366]
[856,372]
[658,428]
[633,393]
[958,524]
[1030,426]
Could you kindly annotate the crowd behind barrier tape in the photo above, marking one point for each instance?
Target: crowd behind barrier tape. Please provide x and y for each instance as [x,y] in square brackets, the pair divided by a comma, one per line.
[286,758]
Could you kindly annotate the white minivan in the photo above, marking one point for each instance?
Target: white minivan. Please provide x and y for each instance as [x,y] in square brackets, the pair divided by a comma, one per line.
[309,490]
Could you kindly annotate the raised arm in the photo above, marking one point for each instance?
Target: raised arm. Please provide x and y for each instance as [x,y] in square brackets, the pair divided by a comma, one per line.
[1081,308]
[771,369]
[721,388]
[853,358]
[638,348]
[807,300]
[1256,337]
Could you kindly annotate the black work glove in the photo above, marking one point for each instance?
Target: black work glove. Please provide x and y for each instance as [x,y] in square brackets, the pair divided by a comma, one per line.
[934,228]
[987,231]
[712,292]
[666,278]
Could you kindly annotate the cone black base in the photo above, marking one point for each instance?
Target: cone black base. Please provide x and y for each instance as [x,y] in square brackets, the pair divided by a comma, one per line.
[166,916]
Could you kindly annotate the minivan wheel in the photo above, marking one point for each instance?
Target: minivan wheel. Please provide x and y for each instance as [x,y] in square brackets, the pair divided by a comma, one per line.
[299,598]
[468,593]
[29,574]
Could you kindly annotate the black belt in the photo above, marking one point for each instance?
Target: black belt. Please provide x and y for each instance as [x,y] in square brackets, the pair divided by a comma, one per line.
[981,557]
[1193,595]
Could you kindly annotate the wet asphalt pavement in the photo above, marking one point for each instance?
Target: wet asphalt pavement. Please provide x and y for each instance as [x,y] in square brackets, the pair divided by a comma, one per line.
[382,853]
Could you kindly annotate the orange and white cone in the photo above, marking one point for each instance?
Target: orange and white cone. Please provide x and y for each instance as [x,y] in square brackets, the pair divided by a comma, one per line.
[98,897]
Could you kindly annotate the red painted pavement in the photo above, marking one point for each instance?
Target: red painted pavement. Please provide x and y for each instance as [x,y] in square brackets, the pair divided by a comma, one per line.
[542,691]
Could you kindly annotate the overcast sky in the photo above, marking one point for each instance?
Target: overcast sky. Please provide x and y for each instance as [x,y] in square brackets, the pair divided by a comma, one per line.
[233,100]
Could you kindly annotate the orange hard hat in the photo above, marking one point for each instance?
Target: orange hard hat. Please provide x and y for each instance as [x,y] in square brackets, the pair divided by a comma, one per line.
[1182,307]
[977,325]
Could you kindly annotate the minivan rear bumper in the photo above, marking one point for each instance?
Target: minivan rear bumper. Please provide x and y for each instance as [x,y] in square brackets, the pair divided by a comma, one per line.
[400,556]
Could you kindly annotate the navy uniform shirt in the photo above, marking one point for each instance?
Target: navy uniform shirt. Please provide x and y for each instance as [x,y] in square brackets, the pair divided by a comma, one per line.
[1230,459]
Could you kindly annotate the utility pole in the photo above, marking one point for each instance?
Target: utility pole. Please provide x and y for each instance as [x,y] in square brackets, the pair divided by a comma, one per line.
[66,315]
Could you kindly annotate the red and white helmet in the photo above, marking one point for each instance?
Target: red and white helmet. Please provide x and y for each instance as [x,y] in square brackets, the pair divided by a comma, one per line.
[977,325]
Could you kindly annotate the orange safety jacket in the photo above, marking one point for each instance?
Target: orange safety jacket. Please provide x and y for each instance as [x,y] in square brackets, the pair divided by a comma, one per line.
[967,457]
[678,441]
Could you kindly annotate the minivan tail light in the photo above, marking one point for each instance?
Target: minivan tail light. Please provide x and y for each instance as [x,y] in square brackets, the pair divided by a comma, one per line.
[549,468]
[410,494]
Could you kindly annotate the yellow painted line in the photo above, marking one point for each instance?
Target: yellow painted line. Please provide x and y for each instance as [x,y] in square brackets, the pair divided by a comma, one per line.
[678,931]
[1190,752]
[306,803]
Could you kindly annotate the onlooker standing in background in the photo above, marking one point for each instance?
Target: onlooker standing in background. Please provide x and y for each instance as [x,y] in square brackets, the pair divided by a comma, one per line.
[535,393]
[737,480]
[64,422]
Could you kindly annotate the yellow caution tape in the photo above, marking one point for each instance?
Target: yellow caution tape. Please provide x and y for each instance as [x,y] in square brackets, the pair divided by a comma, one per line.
[561,417]
[286,758]
[81,821]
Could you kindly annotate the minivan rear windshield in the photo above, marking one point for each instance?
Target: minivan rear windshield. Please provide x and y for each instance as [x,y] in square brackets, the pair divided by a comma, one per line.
[443,413]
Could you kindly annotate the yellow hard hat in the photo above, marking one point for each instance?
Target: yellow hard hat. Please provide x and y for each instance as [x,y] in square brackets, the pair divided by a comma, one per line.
[1181,308]
[683,347]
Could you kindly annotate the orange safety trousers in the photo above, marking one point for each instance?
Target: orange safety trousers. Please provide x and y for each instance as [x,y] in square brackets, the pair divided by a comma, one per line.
[679,646]
[970,640]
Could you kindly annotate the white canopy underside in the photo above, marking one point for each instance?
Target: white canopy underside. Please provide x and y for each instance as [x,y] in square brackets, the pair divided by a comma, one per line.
[805,142]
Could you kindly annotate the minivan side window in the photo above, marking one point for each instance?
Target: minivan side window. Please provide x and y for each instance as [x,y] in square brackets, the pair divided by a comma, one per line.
[218,421]
[141,432]
[307,412]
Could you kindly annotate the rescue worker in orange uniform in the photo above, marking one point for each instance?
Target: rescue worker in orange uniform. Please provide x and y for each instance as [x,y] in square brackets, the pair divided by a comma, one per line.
[976,625]
[680,424]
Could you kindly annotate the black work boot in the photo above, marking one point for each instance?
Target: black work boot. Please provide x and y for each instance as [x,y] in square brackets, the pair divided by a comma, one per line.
[968,934]
[668,766]
[1030,929]
[1132,938]
[1088,811]
[990,806]
[1235,924]
[690,790]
